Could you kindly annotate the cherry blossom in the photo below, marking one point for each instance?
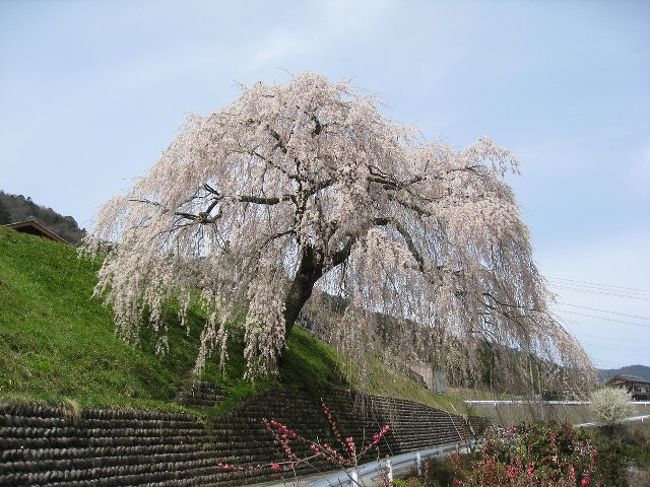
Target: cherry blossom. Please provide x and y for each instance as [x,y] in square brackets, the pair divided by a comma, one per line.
[303,191]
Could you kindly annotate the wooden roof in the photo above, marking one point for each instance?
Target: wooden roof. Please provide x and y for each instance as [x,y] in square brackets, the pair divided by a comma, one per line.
[33,227]
[628,378]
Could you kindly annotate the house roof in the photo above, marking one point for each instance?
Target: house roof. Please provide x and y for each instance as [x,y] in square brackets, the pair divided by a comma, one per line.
[628,378]
[34,227]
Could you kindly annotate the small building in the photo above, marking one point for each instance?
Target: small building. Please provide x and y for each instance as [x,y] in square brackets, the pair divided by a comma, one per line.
[33,227]
[424,374]
[637,387]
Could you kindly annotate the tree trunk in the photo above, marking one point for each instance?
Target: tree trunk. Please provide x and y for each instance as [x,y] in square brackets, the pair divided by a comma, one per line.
[309,271]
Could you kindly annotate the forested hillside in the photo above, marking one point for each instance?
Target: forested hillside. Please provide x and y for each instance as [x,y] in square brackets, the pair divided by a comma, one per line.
[639,370]
[15,208]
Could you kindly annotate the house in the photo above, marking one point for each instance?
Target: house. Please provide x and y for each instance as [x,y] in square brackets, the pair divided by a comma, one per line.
[424,374]
[33,227]
[637,386]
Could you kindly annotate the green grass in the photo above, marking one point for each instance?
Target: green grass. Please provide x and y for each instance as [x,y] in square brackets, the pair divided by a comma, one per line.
[57,344]
[384,382]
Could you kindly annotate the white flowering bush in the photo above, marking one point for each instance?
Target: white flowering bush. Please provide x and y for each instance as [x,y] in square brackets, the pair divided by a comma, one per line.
[304,190]
[611,405]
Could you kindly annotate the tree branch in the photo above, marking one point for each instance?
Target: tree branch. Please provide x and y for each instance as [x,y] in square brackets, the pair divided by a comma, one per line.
[341,255]
[261,200]
[279,143]
[410,244]
[389,182]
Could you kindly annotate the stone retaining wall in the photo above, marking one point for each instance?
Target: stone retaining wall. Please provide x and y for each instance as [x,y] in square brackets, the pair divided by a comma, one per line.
[44,446]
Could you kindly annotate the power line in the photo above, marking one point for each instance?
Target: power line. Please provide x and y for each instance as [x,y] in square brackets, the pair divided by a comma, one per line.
[642,325]
[609,346]
[595,284]
[600,292]
[554,282]
[627,315]
[603,293]
[607,292]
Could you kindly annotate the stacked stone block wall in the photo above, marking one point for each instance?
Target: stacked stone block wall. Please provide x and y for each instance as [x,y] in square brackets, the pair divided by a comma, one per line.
[47,447]
[199,393]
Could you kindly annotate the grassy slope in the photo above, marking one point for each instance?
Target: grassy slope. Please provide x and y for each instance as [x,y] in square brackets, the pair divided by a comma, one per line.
[57,343]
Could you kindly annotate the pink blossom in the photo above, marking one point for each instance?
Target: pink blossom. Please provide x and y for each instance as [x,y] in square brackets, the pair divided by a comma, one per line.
[376,438]
[572,473]
[330,181]
[349,441]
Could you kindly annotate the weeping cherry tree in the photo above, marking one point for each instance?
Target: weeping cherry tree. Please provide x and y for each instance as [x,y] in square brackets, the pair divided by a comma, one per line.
[304,190]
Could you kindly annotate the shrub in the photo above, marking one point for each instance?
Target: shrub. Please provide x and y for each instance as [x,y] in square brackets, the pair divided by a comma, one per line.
[436,472]
[544,455]
[610,405]
[613,460]
[343,452]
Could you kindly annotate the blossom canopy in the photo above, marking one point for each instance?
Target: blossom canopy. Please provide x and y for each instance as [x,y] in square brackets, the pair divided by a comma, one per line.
[299,192]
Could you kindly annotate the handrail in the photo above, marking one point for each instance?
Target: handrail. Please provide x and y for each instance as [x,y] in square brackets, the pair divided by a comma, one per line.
[631,419]
[373,470]
[533,401]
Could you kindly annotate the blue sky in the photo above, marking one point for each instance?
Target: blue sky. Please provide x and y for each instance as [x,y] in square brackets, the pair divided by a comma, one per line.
[92,92]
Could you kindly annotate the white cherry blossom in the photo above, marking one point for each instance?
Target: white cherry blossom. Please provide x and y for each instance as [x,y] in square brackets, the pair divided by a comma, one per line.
[307,186]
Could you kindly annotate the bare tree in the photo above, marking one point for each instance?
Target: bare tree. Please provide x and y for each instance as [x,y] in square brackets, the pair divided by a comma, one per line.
[307,186]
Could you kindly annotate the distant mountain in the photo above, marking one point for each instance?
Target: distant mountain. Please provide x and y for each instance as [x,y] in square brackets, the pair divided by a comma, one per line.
[639,370]
[16,208]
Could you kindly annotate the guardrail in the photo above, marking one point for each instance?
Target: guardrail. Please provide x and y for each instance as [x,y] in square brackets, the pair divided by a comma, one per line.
[631,419]
[533,401]
[391,467]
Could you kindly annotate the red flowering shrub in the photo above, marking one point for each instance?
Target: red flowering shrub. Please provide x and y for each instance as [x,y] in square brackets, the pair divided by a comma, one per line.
[343,454]
[544,455]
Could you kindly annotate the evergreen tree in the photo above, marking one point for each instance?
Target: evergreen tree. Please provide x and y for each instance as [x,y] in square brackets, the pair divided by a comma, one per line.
[5,216]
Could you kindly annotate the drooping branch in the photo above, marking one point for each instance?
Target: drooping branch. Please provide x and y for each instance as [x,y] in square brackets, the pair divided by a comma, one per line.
[255,204]
[410,242]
